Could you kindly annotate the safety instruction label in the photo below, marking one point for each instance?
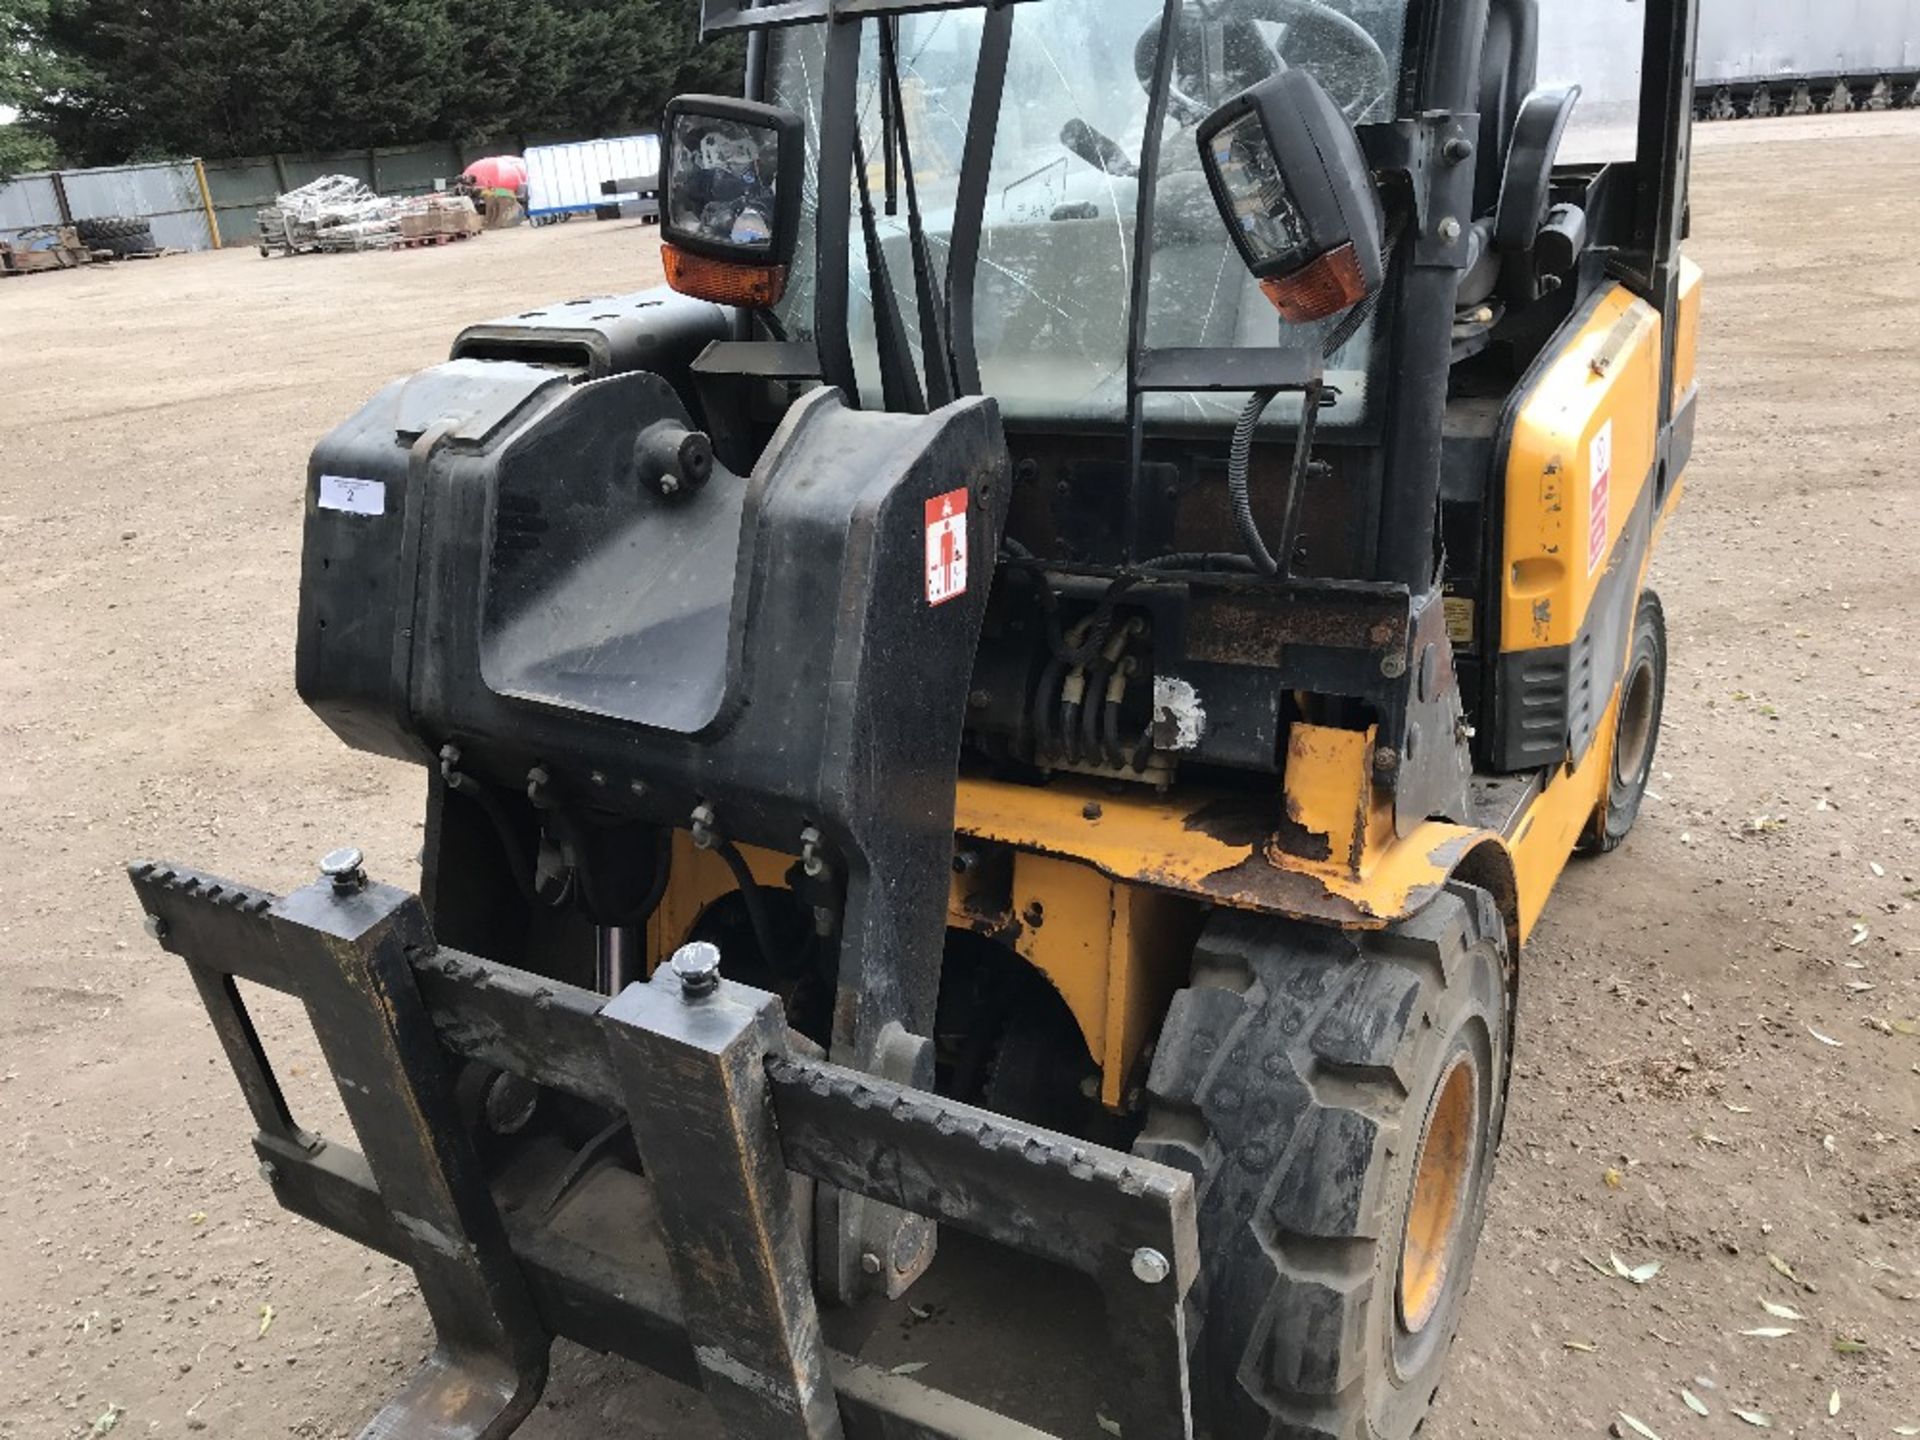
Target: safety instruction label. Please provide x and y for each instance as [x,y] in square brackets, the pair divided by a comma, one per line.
[1600,507]
[946,547]
[354,497]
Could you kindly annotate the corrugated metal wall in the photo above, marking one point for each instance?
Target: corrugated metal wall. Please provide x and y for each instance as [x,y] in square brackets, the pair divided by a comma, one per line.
[167,194]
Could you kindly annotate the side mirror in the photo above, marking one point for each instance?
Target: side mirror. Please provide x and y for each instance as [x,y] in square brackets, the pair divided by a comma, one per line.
[730,199]
[1296,193]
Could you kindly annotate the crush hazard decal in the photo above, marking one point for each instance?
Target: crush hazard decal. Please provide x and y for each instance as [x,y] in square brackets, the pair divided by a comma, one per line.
[946,547]
[1600,503]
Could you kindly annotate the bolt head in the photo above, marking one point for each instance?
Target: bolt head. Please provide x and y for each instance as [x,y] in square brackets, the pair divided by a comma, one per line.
[1450,230]
[156,928]
[697,967]
[1393,666]
[269,1172]
[1150,1267]
[870,1263]
[346,868]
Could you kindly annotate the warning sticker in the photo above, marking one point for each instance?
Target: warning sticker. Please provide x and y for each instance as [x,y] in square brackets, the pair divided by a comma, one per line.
[1600,505]
[353,497]
[946,547]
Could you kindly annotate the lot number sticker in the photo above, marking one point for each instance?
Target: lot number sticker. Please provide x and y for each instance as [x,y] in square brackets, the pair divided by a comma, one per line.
[1600,508]
[353,497]
[946,547]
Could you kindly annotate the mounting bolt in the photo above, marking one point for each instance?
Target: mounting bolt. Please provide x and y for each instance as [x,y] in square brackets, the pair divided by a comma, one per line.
[1458,150]
[269,1172]
[1091,810]
[870,1263]
[1386,758]
[1450,230]
[1393,666]
[346,868]
[1150,1267]
[156,927]
[698,968]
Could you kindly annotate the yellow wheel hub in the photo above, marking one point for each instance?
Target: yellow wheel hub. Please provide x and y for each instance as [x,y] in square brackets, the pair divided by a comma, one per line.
[1441,1178]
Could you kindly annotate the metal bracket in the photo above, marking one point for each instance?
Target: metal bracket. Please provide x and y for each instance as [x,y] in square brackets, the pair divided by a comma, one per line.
[693,1069]
[353,949]
[727,1119]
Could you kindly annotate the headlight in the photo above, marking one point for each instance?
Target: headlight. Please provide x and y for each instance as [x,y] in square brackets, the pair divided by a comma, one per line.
[730,206]
[1295,192]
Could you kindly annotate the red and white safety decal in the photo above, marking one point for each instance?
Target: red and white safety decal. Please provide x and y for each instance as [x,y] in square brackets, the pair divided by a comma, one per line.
[1600,504]
[946,547]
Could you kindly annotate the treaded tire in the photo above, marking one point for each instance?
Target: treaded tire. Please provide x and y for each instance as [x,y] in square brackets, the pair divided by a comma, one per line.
[122,234]
[1294,1080]
[1636,741]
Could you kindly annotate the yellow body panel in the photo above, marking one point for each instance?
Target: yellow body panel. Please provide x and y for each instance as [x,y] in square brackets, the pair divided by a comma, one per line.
[1583,448]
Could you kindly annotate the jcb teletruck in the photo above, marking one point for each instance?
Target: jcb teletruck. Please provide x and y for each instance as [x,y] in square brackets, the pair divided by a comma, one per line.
[1038,690]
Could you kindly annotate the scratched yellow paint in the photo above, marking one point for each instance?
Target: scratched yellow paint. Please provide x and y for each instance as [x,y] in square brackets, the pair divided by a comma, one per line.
[1601,389]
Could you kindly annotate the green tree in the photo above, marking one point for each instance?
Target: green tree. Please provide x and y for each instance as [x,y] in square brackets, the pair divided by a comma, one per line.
[146,78]
[27,72]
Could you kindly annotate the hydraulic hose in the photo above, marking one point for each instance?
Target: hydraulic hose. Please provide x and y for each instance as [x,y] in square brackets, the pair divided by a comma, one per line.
[1239,468]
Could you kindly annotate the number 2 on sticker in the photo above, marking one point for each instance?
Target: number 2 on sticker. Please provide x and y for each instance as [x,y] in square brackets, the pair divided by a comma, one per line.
[946,547]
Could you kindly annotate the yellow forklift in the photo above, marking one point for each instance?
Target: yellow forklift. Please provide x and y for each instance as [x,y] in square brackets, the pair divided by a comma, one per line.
[1037,690]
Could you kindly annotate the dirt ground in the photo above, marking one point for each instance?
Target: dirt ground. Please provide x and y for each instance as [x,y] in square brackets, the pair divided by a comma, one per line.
[1719,1068]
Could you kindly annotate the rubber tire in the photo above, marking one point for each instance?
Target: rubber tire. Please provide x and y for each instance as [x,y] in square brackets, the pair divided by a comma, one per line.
[1293,1080]
[1608,830]
[122,234]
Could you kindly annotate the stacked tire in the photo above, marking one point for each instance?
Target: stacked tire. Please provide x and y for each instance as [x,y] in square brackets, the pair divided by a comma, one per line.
[123,235]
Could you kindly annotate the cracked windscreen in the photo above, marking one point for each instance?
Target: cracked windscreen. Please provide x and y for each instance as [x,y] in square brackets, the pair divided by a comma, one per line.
[1055,280]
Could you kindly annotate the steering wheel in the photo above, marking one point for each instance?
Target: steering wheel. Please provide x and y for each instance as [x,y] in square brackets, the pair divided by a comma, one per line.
[1356,72]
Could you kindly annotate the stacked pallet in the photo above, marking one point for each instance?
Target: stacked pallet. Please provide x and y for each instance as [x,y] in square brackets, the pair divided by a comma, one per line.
[50,247]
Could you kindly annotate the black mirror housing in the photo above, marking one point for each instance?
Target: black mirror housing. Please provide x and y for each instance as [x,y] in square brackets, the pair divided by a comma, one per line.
[1297,195]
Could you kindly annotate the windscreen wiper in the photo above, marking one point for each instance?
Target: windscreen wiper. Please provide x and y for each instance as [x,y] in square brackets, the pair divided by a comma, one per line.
[942,388]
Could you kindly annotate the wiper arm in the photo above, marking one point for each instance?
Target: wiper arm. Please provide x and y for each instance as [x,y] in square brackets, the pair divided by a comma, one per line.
[942,388]
[1097,150]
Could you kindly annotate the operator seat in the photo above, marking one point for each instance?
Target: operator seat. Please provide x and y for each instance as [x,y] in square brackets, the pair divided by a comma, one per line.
[1521,128]
[1509,66]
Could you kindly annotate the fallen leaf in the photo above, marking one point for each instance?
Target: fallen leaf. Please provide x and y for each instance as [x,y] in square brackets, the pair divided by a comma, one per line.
[1781,1267]
[920,1312]
[1826,1039]
[1781,1312]
[1833,1404]
[1879,873]
[111,1418]
[1583,1346]
[1754,1417]
[1861,934]
[912,1367]
[1907,1027]
[1596,1266]
[1906,1429]
[266,1320]
[1846,1345]
[1112,1427]
[1739,1109]
[199,1217]
[1638,1427]
[1769,1332]
[1638,1274]
[1614,1179]
[1694,1402]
